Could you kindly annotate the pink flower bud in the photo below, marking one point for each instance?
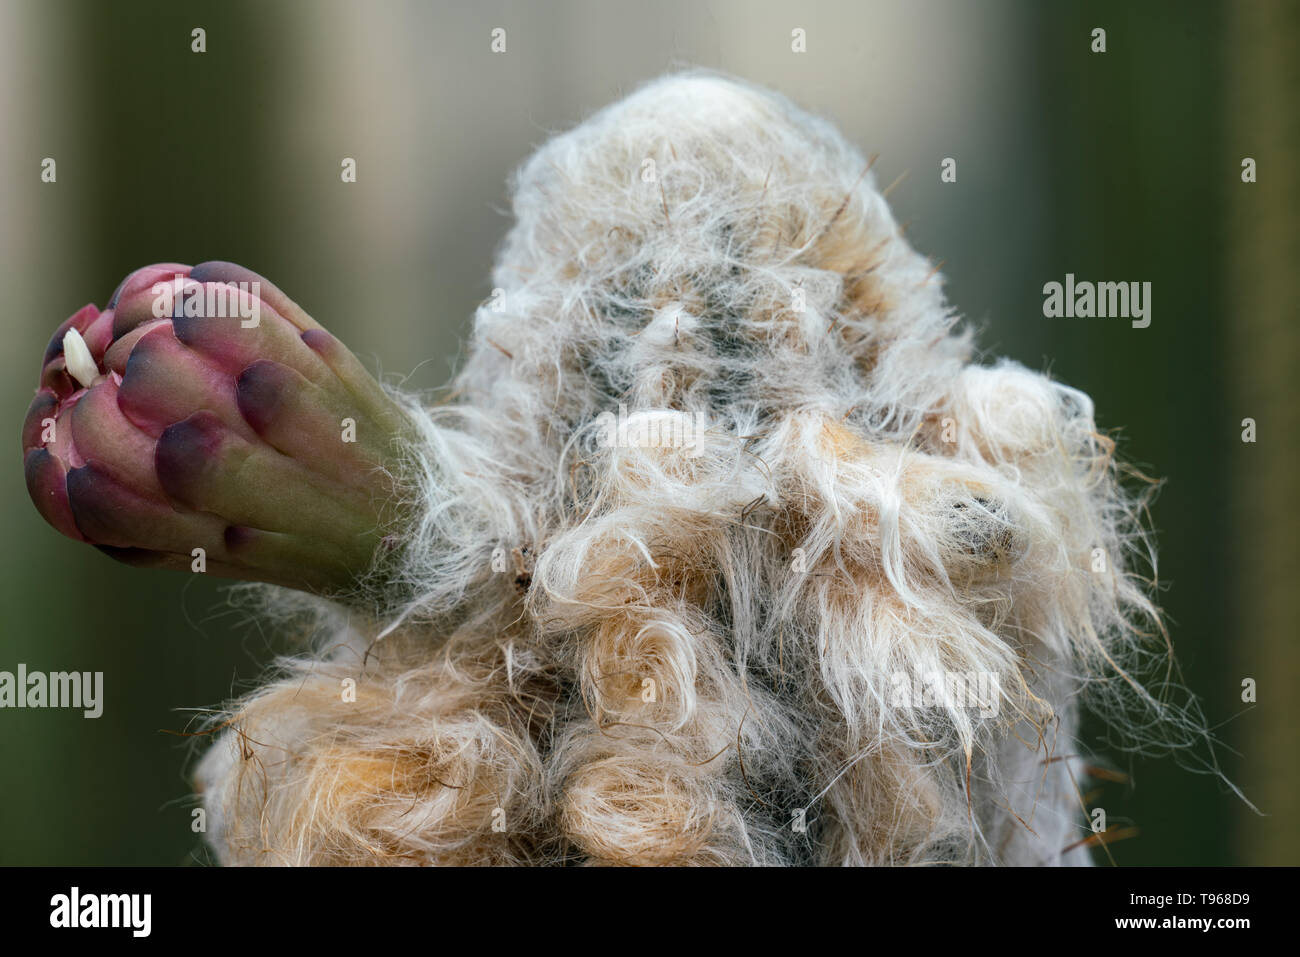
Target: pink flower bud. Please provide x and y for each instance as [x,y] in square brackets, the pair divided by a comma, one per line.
[204,410]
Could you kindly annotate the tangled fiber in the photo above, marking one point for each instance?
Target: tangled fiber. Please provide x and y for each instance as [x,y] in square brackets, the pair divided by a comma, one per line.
[725,550]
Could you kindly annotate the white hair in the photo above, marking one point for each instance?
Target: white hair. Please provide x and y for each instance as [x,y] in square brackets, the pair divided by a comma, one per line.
[728,647]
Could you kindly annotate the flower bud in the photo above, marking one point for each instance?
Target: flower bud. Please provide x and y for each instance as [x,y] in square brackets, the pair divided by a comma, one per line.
[204,421]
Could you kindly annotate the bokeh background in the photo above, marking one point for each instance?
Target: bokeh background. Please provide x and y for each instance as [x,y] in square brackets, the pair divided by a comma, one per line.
[1119,166]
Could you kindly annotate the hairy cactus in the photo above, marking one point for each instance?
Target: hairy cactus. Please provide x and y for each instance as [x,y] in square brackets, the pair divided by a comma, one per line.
[724,629]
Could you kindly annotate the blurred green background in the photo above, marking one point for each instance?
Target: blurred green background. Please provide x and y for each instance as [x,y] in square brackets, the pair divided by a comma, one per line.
[1119,166]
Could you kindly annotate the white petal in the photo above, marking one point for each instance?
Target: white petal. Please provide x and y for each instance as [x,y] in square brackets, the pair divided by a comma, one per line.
[81,365]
